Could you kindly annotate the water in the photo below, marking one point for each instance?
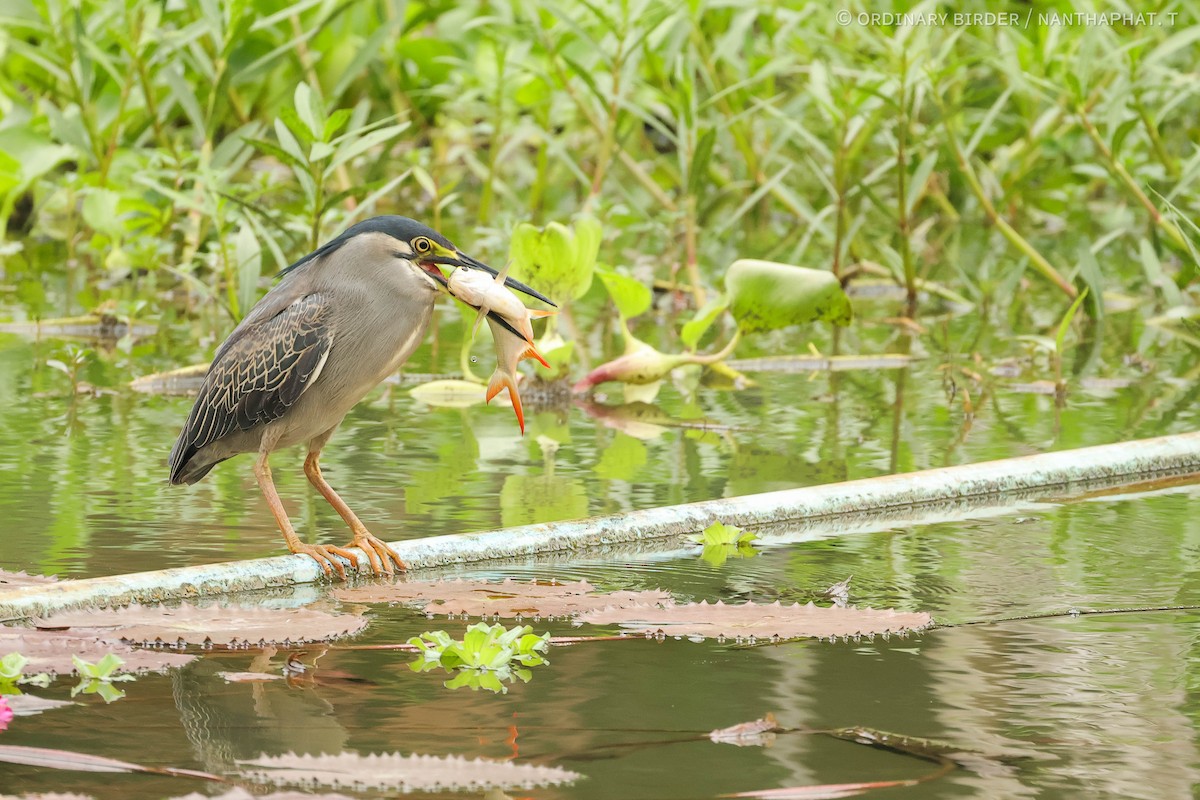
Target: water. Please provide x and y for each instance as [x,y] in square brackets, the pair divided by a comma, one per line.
[1060,706]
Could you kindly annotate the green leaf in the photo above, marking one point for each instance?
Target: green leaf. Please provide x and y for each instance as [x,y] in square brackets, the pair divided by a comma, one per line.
[693,330]
[764,295]
[309,110]
[629,295]
[1065,324]
[11,667]
[335,123]
[353,147]
[556,260]
[698,171]
[100,212]
[719,534]
[916,184]
[622,459]
[287,140]
[248,258]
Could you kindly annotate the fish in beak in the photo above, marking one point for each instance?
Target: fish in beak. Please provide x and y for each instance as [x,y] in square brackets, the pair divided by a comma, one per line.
[511,348]
[456,259]
[490,295]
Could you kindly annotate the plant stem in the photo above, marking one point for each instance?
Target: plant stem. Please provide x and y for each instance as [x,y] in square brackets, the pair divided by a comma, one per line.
[1118,170]
[1014,238]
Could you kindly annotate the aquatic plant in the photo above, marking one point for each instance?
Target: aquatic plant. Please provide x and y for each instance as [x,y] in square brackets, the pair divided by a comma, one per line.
[487,657]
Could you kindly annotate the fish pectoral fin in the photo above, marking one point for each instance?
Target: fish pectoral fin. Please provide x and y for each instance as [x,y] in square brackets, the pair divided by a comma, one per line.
[505,380]
[479,318]
[532,352]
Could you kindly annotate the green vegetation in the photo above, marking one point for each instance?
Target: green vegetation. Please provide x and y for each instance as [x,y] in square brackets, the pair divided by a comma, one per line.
[174,157]
[487,657]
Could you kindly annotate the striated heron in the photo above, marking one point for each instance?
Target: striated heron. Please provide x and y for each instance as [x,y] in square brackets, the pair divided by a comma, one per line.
[339,321]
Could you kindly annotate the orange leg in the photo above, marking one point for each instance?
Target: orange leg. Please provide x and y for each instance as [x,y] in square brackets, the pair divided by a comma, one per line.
[380,555]
[322,553]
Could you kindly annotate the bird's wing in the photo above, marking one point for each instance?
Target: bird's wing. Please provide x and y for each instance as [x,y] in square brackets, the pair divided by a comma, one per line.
[257,375]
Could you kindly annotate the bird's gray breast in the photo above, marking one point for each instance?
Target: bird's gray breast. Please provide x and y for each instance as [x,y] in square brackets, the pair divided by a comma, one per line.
[377,324]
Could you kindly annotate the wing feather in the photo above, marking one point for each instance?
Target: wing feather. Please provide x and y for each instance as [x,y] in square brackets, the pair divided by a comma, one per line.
[257,375]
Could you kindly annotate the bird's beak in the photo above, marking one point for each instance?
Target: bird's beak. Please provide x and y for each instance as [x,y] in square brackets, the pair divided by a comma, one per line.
[454,258]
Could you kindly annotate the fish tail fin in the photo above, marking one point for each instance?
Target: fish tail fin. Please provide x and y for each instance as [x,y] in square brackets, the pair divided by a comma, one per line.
[504,380]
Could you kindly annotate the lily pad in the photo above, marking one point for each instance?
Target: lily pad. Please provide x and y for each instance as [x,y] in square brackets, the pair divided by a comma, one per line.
[765,295]
[505,599]
[53,651]
[12,580]
[412,773]
[222,625]
[759,621]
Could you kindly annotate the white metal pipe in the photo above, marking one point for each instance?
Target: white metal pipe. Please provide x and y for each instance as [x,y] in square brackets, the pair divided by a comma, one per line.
[820,510]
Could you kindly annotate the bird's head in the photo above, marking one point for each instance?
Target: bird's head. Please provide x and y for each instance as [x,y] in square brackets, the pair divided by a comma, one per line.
[424,249]
[419,246]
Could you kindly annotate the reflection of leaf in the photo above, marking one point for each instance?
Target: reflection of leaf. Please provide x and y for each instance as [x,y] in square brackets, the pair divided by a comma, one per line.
[529,499]
[506,599]
[718,554]
[762,621]
[622,459]
[811,363]
[184,380]
[449,393]
[759,732]
[52,651]
[764,295]
[212,624]
[414,773]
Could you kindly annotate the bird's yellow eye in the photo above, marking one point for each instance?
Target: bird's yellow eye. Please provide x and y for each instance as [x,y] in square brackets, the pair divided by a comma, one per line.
[422,245]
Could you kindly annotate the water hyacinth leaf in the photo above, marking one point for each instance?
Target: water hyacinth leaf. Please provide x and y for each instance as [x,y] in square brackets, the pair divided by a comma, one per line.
[631,297]
[211,624]
[765,295]
[411,773]
[560,261]
[693,330]
[505,599]
[760,621]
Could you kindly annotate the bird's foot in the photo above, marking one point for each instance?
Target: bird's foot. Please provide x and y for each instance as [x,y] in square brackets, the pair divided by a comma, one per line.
[324,556]
[378,553]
